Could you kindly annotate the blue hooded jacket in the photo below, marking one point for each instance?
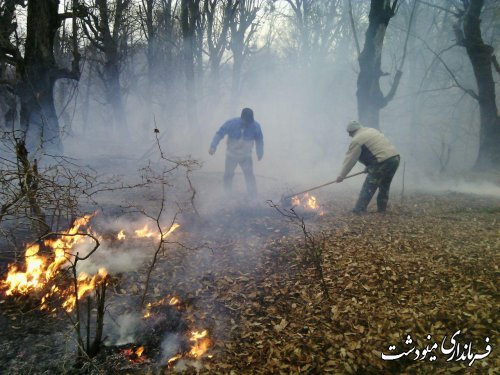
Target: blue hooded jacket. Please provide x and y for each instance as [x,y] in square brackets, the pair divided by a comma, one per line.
[240,138]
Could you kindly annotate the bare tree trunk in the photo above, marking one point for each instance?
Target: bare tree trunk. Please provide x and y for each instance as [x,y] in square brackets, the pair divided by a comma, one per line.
[28,184]
[86,100]
[111,74]
[370,97]
[217,33]
[111,70]
[150,32]
[482,58]
[105,28]
[237,47]
[166,24]
[39,73]
[189,13]
[242,29]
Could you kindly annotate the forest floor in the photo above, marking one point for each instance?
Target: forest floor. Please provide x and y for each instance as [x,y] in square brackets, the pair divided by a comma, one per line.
[393,284]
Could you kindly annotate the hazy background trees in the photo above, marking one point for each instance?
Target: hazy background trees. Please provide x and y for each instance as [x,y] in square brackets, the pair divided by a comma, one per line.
[305,66]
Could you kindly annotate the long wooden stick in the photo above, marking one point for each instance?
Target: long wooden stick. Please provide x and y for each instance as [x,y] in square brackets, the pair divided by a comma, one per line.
[320,186]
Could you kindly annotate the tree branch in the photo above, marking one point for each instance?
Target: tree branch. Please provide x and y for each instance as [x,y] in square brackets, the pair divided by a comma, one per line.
[495,63]
[65,73]
[353,26]
[410,22]
[456,14]
[467,91]
[392,92]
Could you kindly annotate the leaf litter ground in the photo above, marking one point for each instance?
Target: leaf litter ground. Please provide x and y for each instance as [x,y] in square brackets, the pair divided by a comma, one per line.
[427,267]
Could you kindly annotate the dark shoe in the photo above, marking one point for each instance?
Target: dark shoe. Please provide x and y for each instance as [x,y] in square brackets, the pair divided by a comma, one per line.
[358,212]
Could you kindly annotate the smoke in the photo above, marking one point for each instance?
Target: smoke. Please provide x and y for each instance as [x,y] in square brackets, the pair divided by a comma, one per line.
[170,346]
[125,259]
[303,104]
[122,328]
[479,187]
[118,255]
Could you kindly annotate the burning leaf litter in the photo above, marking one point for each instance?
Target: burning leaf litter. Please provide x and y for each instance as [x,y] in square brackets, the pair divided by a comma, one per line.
[389,275]
[306,201]
[41,270]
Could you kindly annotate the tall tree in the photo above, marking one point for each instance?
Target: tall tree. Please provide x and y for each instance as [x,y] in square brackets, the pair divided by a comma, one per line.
[37,71]
[316,25]
[190,18]
[370,97]
[167,53]
[105,27]
[482,58]
[243,28]
[218,15]
[149,28]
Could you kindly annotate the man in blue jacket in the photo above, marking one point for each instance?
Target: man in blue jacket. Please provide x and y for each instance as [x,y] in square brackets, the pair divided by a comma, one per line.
[241,133]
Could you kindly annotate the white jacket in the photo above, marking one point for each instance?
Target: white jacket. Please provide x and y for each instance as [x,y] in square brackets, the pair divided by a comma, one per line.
[369,146]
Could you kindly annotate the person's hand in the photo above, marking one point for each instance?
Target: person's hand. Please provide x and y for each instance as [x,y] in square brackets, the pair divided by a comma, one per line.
[340,179]
[211,151]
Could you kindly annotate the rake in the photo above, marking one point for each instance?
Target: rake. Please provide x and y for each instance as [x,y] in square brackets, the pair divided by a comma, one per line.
[286,200]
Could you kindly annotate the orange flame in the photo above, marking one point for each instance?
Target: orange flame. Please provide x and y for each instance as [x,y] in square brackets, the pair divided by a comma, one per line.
[120,235]
[85,285]
[172,228]
[147,314]
[174,301]
[39,269]
[201,343]
[23,282]
[307,201]
[39,272]
[174,359]
[134,356]
[145,232]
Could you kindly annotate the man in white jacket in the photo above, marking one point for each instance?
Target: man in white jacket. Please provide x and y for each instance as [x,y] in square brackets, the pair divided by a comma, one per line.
[381,158]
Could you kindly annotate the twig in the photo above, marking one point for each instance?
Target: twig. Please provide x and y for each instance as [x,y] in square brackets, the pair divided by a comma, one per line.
[314,248]
[155,256]
[456,14]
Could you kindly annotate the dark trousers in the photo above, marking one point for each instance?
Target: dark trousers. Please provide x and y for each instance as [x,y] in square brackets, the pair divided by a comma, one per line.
[245,162]
[379,177]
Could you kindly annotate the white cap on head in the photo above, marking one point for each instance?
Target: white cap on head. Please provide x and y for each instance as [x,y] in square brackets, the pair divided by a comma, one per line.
[352,126]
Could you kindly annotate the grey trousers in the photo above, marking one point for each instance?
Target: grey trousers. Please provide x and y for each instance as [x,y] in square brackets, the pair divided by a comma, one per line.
[245,162]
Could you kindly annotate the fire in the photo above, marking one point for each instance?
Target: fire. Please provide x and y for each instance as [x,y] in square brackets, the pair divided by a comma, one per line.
[172,360]
[85,285]
[172,228]
[23,282]
[147,314]
[145,232]
[201,343]
[121,235]
[307,202]
[41,267]
[172,301]
[134,356]
[40,270]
